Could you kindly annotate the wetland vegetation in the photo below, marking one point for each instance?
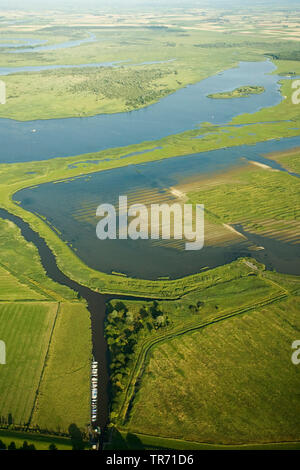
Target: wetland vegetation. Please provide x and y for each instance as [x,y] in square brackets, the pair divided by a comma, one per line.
[241,92]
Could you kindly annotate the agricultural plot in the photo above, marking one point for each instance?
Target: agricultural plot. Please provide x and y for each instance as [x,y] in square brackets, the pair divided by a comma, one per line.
[134,328]
[67,370]
[230,383]
[26,330]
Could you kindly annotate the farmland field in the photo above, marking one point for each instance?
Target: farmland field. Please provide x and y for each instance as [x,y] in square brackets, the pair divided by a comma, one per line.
[26,330]
[230,383]
[134,328]
[67,370]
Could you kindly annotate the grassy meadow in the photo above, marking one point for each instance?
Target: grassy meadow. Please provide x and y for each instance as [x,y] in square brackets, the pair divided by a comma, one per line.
[67,370]
[135,328]
[289,160]
[40,442]
[230,383]
[23,276]
[12,289]
[26,330]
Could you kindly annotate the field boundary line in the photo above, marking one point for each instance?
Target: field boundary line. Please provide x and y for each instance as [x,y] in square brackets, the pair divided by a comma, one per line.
[44,366]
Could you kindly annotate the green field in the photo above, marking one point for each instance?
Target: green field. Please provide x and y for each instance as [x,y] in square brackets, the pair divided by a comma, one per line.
[40,442]
[230,383]
[22,275]
[67,370]
[12,289]
[134,328]
[46,331]
[26,329]
[289,160]
[135,441]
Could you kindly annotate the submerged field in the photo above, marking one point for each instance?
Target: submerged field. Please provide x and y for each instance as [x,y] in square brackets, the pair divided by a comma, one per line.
[243,197]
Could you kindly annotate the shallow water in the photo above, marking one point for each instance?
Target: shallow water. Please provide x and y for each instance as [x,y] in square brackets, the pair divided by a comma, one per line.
[21,42]
[76,217]
[40,68]
[50,47]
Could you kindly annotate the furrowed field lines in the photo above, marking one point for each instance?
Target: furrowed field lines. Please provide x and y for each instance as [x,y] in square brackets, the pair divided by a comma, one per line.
[42,338]
[26,329]
[12,289]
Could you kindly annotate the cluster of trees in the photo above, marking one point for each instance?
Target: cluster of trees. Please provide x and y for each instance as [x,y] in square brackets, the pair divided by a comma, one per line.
[134,86]
[24,446]
[230,45]
[123,328]
[76,435]
[286,55]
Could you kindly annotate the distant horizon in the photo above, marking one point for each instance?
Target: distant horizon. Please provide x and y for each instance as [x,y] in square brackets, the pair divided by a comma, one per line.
[111,5]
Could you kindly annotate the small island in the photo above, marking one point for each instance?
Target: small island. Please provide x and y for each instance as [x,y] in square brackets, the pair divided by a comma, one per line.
[241,92]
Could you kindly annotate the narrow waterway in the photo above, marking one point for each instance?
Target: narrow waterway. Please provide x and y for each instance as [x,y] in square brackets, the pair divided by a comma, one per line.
[96,305]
